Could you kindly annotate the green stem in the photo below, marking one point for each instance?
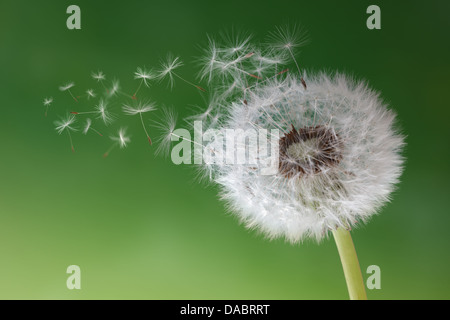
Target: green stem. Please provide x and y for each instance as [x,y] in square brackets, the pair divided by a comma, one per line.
[350,264]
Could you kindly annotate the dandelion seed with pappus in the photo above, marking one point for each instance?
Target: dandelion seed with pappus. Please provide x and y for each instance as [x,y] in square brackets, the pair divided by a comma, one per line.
[67,88]
[140,109]
[65,124]
[104,114]
[88,126]
[166,124]
[100,77]
[288,39]
[120,140]
[115,89]
[145,76]
[47,102]
[168,67]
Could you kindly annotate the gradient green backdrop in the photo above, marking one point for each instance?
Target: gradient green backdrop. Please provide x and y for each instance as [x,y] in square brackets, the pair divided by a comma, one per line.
[142,228]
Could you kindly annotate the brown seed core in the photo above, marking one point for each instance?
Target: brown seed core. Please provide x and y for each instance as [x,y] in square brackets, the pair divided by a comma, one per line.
[309,150]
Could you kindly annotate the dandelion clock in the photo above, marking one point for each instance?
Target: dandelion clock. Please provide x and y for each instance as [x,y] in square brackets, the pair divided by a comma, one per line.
[335,143]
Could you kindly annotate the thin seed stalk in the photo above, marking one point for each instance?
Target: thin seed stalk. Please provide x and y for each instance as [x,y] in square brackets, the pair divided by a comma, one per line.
[350,264]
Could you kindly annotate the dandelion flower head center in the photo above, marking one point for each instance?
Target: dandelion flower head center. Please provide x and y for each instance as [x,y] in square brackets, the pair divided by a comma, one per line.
[309,150]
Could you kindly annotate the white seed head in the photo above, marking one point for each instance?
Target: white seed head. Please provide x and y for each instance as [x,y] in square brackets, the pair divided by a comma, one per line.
[338,156]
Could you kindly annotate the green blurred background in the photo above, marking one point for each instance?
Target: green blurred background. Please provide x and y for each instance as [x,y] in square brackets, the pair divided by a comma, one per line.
[142,228]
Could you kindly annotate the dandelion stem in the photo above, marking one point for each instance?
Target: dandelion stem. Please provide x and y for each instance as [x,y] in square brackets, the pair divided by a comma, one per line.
[350,264]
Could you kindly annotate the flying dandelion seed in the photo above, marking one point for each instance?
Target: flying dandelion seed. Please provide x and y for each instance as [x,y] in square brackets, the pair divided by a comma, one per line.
[47,102]
[227,65]
[100,77]
[338,151]
[208,61]
[67,88]
[167,70]
[145,76]
[120,140]
[65,124]
[88,126]
[236,43]
[288,39]
[90,93]
[339,157]
[140,109]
